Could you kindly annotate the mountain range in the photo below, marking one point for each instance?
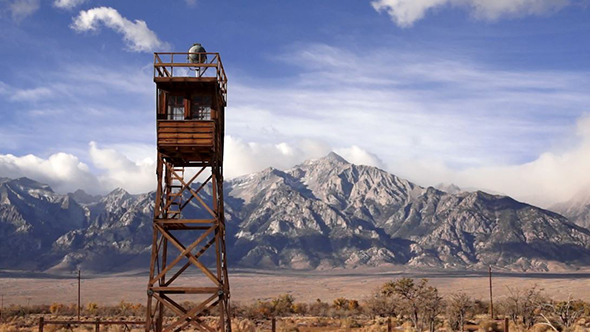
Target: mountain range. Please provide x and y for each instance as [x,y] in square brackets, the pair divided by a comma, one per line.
[322,214]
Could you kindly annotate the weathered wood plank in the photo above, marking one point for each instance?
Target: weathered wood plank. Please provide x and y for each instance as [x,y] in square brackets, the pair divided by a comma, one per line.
[187,290]
[179,141]
[185,136]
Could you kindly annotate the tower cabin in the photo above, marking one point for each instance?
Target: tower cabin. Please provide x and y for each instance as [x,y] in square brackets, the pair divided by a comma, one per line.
[191,99]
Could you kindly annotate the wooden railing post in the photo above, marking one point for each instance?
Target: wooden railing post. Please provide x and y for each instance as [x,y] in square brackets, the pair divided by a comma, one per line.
[41,322]
[273,324]
[506,329]
[97,325]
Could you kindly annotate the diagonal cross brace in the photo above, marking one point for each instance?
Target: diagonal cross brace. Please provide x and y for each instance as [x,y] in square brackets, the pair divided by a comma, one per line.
[183,252]
[189,255]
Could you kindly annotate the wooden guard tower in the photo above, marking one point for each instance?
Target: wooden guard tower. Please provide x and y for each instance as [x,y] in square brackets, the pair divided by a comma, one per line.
[188,271]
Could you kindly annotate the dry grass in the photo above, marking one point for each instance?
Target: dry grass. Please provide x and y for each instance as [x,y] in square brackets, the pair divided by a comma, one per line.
[285,324]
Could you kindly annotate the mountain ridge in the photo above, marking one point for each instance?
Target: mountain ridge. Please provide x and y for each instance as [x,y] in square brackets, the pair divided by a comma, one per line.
[321,214]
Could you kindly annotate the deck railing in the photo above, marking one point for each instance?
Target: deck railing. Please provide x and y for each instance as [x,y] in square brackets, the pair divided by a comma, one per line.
[177,64]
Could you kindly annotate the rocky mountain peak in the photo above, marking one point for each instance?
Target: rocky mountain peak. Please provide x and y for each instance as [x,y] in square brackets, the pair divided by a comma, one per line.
[118,193]
[27,184]
[332,159]
[449,188]
[82,197]
[335,158]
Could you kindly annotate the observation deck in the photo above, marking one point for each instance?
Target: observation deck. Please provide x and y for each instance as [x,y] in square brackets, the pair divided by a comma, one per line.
[191,97]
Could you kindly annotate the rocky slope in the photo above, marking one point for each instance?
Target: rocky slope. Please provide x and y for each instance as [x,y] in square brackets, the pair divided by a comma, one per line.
[321,214]
[577,209]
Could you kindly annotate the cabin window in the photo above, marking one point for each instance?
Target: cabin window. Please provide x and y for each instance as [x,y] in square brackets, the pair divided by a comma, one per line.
[175,110]
[201,107]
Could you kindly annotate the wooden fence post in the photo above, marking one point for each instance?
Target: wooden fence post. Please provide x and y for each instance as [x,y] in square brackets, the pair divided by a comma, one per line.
[273,324]
[41,322]
[97,326]
[506,329]
[389,327]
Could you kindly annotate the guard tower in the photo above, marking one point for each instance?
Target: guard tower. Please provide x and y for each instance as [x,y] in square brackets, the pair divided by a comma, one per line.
[188,272]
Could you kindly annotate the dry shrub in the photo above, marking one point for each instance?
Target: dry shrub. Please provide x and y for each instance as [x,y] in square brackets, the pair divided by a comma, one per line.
[244,325]
[541,328]
[579,328]
[288,328]
[55,308]
[349,323]
[489,326]
[407,327]
[374,328]
[8,328]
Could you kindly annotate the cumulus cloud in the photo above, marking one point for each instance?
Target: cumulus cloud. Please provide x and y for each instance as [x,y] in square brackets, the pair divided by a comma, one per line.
[359,156]
[118,171]
[553,177]
[63,172]
[242,157]
[67,4]
[137,35]
[19,9]
[405,12]
[133,167]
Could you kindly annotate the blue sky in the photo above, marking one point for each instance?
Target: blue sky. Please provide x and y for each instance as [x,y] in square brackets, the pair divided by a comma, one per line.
[481,93]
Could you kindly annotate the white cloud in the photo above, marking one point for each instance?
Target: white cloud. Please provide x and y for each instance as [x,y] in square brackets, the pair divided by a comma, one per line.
[120,171]
[19,9]
[63,172]
[406,12]
[137,35]
[554,176]
[550,178]
[242,158]
[191,3]
[67,4]
[358,156]
[30,94]
[132,167]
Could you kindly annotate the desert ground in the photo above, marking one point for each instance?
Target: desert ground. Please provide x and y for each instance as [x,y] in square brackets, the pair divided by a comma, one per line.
[305,286]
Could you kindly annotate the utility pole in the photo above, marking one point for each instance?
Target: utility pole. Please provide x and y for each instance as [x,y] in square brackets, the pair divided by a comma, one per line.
[78,294]
[491,300]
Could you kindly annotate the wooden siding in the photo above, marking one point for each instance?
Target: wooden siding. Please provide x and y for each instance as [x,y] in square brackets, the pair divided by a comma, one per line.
[186,133]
